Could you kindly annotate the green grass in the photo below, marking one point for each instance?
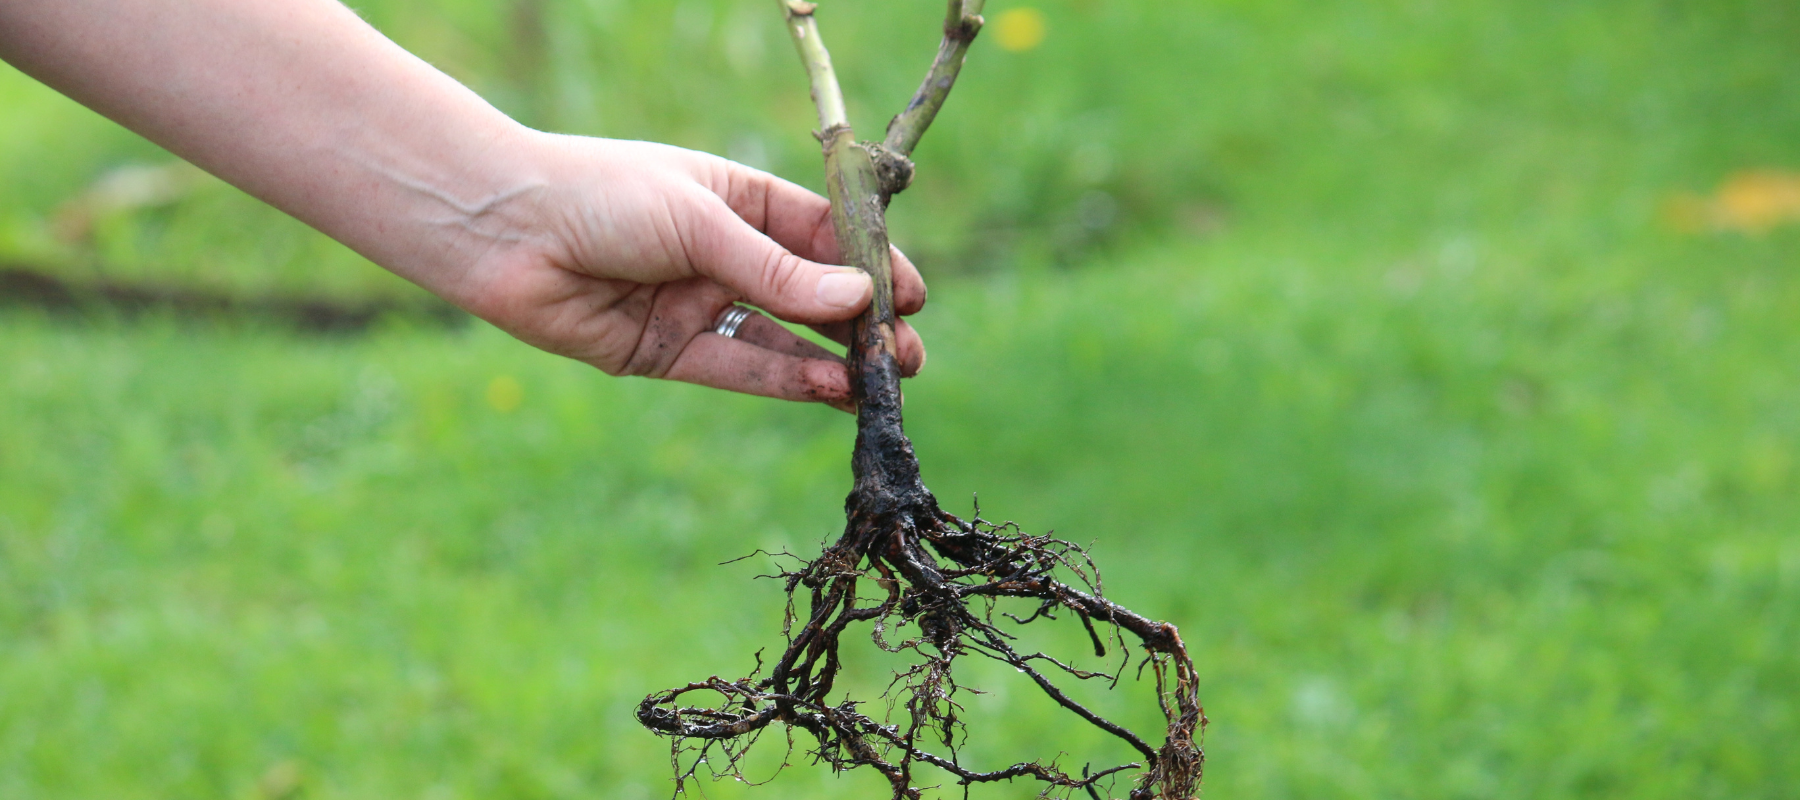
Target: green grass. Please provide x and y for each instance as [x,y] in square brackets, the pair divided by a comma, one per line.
[1429,536]
[1133,120]
[1464,477]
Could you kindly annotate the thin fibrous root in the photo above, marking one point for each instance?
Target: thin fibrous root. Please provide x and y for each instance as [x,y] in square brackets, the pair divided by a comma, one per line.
[930,566]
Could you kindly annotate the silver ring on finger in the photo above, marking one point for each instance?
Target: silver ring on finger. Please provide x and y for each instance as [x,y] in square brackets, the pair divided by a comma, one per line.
[730,320]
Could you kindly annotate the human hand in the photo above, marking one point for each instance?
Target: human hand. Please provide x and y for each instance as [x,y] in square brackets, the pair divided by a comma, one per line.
[620,254]
[625,253]
[629,251]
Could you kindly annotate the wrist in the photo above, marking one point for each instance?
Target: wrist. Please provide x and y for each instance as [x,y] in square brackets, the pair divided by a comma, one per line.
[477,217]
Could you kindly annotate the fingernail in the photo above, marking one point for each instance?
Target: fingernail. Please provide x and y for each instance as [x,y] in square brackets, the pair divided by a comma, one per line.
[843,289]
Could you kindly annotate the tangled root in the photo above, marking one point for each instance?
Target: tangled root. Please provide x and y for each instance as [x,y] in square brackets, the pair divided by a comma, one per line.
[935,571]
[985,561]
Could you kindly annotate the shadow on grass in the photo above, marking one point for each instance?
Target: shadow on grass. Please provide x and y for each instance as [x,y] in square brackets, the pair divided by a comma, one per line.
[25,287]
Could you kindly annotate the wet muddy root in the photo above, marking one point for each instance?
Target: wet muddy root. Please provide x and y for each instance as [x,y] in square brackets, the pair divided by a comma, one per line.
[926,582]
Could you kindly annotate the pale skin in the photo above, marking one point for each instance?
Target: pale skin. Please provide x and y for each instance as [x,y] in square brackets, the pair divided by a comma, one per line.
[619,254]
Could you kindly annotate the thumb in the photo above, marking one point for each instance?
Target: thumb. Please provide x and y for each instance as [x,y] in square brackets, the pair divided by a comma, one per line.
[722,246]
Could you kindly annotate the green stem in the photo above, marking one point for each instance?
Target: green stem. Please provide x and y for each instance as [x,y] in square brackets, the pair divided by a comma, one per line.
[962,21]
[827,97]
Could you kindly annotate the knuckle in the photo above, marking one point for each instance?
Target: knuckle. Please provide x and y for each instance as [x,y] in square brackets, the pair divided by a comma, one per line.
[652,361]
[658,347]
[782,275]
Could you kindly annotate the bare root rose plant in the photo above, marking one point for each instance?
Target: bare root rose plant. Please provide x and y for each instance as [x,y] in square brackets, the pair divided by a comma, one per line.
[905,565]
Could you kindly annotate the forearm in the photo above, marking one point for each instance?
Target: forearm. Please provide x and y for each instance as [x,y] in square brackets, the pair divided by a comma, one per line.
[302,104]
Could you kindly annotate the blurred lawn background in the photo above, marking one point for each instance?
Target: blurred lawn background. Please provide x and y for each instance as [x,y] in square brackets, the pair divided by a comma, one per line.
[1433,364]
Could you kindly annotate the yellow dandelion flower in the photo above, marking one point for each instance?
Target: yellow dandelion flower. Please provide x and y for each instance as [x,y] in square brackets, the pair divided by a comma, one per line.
[1754,202]
[1749,202]
[1020,29]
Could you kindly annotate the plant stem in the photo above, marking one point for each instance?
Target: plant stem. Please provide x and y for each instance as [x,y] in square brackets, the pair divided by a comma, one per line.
[827,97]
[884,461]
[962,21]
